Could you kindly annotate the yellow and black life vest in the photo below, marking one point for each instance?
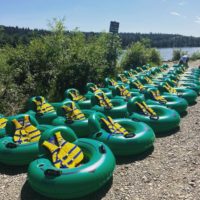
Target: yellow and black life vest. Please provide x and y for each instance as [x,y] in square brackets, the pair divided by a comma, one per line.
[148,80]
[175,82]
[161,69]
[24,131]
[170,89]
[113,82]
[114,127]
[146,109]
[138,85]
[72,112]
[123,78]
[123,91]
[64,154]
[103,100]
[42,106]
[158,97]
[3,122]
[95,89]
[75,96]
[133,71]
[140,69]
[130,74]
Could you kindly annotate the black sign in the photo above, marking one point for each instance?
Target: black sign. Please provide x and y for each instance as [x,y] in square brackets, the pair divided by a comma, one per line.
[114,27]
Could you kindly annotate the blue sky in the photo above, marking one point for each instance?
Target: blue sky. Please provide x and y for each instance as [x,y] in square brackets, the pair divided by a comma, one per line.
[164,16]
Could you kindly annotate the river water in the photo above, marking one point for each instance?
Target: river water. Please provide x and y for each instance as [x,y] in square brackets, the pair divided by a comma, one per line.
[166,53]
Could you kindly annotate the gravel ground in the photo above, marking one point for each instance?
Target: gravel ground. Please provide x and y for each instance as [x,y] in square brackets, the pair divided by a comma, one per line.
[169,171]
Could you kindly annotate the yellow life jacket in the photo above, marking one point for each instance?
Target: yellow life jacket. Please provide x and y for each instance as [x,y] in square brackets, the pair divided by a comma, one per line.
[170,89]
[72,112]
[175,82]
[42,106]
[3,122]
[133,71]
[75,95]
[63,154]
[95,89]
[138,85]
[131,75]
[113,82]
[114,127]
[123,79]
[158,97]
[161,69]
[178,77]
[25,132]
[140,69]
[123,91]
[146,109]
[148,80]
[103,100]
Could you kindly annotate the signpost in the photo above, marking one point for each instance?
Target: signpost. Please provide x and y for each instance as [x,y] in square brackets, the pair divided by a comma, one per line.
[114,27]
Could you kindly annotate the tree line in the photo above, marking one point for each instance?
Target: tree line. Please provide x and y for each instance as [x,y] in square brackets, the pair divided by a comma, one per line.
[15,35]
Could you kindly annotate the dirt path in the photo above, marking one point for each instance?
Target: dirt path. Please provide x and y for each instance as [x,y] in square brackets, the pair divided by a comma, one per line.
[171,171]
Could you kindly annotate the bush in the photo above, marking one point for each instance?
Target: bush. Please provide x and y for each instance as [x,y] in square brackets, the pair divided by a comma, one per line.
[195,56]
[140,54]
[51,64]
[177,53]
[154,56]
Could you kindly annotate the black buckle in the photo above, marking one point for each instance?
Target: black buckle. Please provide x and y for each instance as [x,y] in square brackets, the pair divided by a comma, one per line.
[39,114]
[11,145]
[69,121]
[102,149]
[107,108]
[154,117]
[130,135]
[99,134]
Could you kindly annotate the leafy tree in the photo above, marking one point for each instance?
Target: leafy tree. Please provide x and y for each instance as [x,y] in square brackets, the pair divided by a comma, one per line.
[177,53]
[52,63]
[139,54]
[195,56]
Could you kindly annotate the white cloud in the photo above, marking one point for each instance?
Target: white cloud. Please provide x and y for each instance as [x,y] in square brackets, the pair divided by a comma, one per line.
[197,20]
[182,3]
[175,14]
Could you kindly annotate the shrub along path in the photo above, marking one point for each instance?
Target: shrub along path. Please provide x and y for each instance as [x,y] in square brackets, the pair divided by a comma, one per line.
[170,171]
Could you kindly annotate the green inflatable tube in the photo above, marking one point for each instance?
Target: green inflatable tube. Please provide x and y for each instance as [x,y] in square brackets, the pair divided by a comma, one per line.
[118,94]
[190,80]
[90,92]
[15,154]
[190,85]
[122,78]
[167,119]
[83,103]
[129,74]
[42,118]
[188,94]
[118,110]
[109,84]
[80,127]
[173,102]
[68,183]
[141,140]
[136,85]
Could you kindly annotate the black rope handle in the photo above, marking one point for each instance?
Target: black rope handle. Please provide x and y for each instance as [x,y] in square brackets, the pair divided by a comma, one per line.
[52,172]
[11,145]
